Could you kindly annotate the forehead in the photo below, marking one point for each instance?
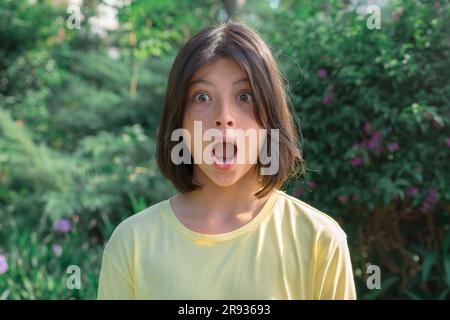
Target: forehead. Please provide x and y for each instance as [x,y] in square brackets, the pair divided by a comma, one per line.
[222,69]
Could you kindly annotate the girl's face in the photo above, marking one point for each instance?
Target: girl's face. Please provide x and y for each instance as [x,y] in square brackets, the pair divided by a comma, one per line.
[220,97]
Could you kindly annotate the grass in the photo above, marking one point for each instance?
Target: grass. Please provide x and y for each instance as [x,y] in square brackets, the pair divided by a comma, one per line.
[35,270]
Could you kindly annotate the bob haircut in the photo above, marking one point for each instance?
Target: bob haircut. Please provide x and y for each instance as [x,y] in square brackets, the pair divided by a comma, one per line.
[233,40]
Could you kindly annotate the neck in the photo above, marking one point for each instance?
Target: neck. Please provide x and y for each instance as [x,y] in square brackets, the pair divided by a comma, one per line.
[217,203]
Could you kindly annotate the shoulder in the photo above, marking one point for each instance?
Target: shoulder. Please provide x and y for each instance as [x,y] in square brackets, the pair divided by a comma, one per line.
[310,221]
[136,228]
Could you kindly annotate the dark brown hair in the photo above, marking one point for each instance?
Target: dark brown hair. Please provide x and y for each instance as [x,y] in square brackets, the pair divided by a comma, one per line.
[237,41]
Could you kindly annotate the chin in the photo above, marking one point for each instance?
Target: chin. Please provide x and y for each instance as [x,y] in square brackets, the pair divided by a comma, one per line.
[223,180]
[227,179]
[224,184]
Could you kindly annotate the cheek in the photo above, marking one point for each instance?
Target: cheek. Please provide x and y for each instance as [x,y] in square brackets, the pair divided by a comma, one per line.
[192,114]
[188,136]
[186,118]
[255,145]
[188,125]
[253,142]
[248,118]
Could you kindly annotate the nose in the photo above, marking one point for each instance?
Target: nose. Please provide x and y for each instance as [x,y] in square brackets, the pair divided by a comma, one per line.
[225,117]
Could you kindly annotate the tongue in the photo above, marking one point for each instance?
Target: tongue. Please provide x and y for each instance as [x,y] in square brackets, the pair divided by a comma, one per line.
[224,152]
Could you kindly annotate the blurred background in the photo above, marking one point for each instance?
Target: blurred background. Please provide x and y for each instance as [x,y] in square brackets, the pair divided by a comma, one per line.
[82,86]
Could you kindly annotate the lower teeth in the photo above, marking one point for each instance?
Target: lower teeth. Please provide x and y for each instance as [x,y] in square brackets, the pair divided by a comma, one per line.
[225,160]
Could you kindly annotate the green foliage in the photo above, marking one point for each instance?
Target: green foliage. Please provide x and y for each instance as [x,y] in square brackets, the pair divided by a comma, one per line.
[74,145]
[36,269]
[79,115]
[155,27]
[374,108]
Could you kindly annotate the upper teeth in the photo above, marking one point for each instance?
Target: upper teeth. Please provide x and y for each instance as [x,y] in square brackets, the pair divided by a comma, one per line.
[224,150]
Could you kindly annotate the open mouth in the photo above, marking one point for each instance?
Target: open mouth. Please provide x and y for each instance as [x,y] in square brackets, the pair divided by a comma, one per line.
[224,151]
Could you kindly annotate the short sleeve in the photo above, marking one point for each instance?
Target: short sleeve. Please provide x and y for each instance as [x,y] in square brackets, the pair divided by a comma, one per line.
[334,274]
[116,280]
[114,283]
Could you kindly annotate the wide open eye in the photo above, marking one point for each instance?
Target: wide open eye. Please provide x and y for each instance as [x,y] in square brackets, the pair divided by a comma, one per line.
[201,97]
[245,97]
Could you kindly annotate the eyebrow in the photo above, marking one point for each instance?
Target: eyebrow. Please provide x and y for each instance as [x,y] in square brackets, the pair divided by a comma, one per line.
[206,82]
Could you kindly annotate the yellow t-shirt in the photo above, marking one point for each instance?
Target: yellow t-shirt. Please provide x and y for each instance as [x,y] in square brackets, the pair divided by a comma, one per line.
[289,250]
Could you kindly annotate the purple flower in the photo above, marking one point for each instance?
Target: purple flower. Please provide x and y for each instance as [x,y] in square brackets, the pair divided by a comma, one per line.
[311,184]
[364,144]
[429,201]
[57,249]
[298,192]
[425,208]
[327,100]
[431,197]
[368,128]
[357,161]
[372,144]
[447,141]
[322,73]
[374,141]
[62,225]
[412,191]
[377,136]
[343,198]
[393,146]
[3,264]
[378,150]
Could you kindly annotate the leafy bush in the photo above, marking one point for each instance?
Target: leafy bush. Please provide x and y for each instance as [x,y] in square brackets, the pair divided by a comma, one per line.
[374,107]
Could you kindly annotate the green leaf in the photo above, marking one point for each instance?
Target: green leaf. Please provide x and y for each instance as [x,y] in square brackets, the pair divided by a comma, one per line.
[413,296]
[428,263]
[385,284]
